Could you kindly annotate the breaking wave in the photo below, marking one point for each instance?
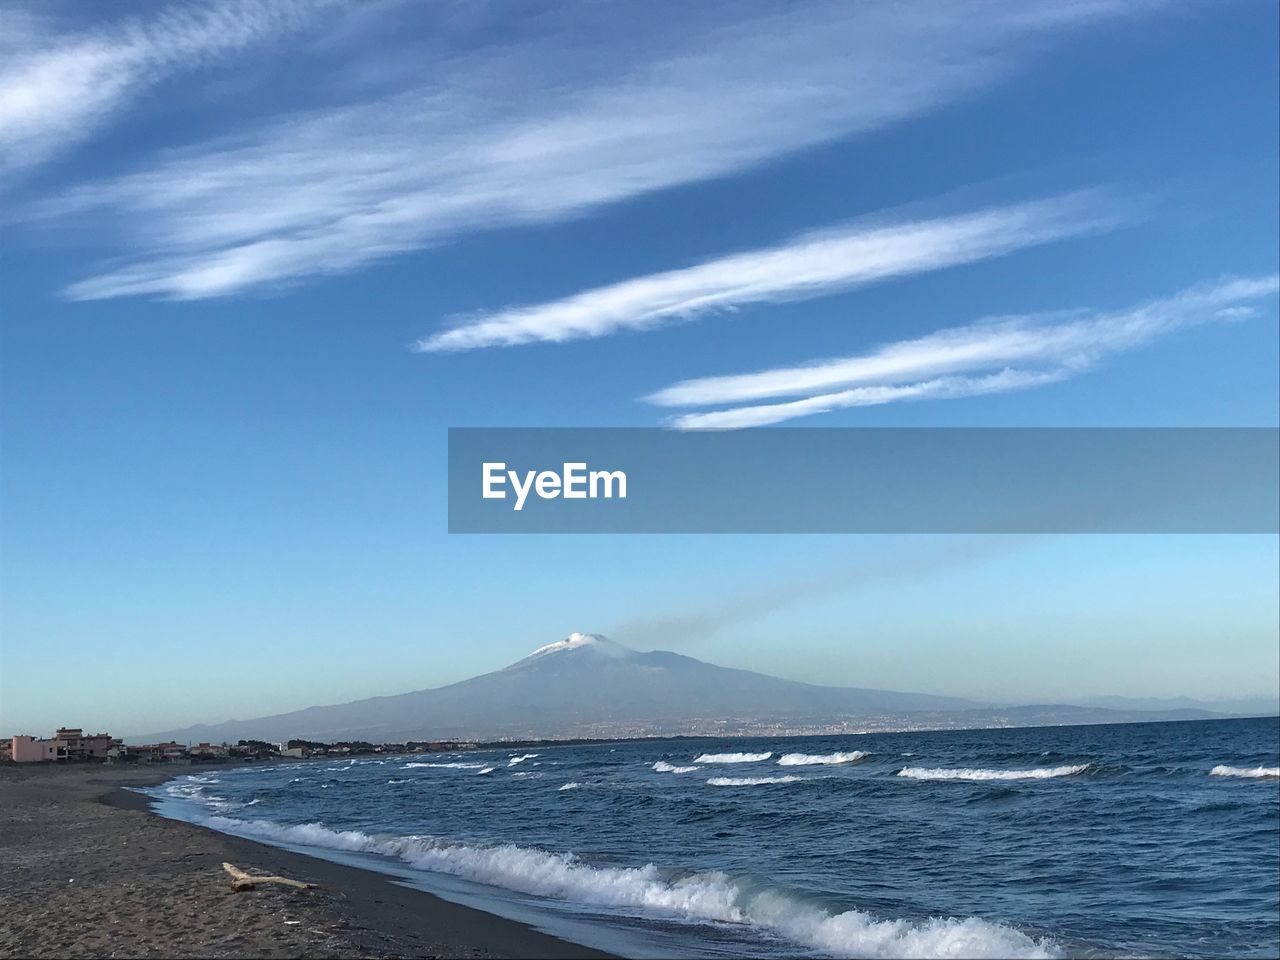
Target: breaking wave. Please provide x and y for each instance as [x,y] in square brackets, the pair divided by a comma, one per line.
[663,767]
[750,781]
[453,765]
[1253,773]
[966,773]
[706,897]
[732,757]
[485,770]
[814,759]
[520,759]
[572,785]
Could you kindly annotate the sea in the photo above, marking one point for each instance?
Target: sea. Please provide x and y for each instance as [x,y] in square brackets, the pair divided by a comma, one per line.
[1152,839]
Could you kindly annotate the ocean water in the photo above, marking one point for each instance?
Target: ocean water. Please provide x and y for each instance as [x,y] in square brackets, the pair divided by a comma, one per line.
[1143,839]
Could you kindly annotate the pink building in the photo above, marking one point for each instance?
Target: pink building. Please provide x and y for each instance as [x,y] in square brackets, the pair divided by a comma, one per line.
[68,743]
[31,750]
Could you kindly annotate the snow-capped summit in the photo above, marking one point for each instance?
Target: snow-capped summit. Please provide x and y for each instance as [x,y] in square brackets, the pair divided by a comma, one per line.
[575,641]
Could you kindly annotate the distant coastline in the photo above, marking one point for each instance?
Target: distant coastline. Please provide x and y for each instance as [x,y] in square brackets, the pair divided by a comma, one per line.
[587,687]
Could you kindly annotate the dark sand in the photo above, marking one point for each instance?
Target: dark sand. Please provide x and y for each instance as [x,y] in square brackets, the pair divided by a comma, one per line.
[87,871]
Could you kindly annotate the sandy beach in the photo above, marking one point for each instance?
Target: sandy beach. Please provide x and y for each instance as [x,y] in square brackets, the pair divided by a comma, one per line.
[88,871]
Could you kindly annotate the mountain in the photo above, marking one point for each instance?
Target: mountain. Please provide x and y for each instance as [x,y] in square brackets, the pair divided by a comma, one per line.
[585,685]
[1237,706]
[589,686]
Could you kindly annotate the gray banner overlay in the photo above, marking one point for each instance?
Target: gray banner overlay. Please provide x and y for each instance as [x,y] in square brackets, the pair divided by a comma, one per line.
[944,480]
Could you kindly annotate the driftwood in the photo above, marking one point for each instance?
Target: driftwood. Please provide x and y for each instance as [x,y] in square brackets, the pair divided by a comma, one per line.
[244,881]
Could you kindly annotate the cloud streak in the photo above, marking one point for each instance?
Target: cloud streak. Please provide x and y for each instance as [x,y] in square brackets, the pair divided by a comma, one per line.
[993,356]
[567,114]
[57,88]
[810,266]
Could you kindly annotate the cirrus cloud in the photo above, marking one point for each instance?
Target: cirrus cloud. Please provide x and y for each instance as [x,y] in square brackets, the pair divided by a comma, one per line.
[992,356]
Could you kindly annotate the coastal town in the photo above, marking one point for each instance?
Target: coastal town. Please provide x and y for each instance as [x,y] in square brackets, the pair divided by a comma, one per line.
[73,745]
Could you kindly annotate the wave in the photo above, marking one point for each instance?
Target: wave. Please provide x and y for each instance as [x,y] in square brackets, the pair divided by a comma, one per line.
[222,805]
[572,785]
[192,788]
[732,757]
[967,773]
[485,770]
[1253,773]
[454,765]
[750,781]
[704,897]
[663,767]
[520,759]
[814,759]
[406,780]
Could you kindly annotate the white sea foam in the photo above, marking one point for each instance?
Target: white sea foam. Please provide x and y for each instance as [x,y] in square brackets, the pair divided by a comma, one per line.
[406,780]
[485,770]
[814,759]
[750,781]
[192,788]
[732,757]
[444,766]
[574,785]
[1252,773]
[966,773]
[223,805]
[520,759]
[645,890]
[663,767]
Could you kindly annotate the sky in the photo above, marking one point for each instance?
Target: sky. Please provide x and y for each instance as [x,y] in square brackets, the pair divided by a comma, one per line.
[259,256]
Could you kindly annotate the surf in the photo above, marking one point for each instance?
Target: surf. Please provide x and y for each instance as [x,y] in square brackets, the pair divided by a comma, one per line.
[819,759]
[732,757]
[706,897]
[1251,773]
[969,773]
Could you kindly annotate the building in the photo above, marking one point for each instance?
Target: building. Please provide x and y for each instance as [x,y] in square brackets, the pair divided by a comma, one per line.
[26,749]
[155,752]
[67,743]
[208,751]
[76,746]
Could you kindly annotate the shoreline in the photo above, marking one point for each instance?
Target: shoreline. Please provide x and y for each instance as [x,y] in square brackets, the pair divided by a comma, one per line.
[99,873]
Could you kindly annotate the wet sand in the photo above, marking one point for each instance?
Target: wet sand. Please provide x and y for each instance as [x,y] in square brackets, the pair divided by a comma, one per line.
[87,871]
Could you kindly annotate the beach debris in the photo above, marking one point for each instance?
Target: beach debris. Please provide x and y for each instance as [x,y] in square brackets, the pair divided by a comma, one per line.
[247,881]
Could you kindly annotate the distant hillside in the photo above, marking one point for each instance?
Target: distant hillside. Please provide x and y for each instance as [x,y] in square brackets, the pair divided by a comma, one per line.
[589,686]
[576,686]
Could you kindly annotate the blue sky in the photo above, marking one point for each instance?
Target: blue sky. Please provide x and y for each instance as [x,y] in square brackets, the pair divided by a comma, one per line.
[259,256]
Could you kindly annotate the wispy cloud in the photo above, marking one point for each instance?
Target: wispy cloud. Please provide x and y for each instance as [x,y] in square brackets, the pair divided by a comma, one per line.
[809,266]
[993,356]
[566,114]
[942,388]
[57,87]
